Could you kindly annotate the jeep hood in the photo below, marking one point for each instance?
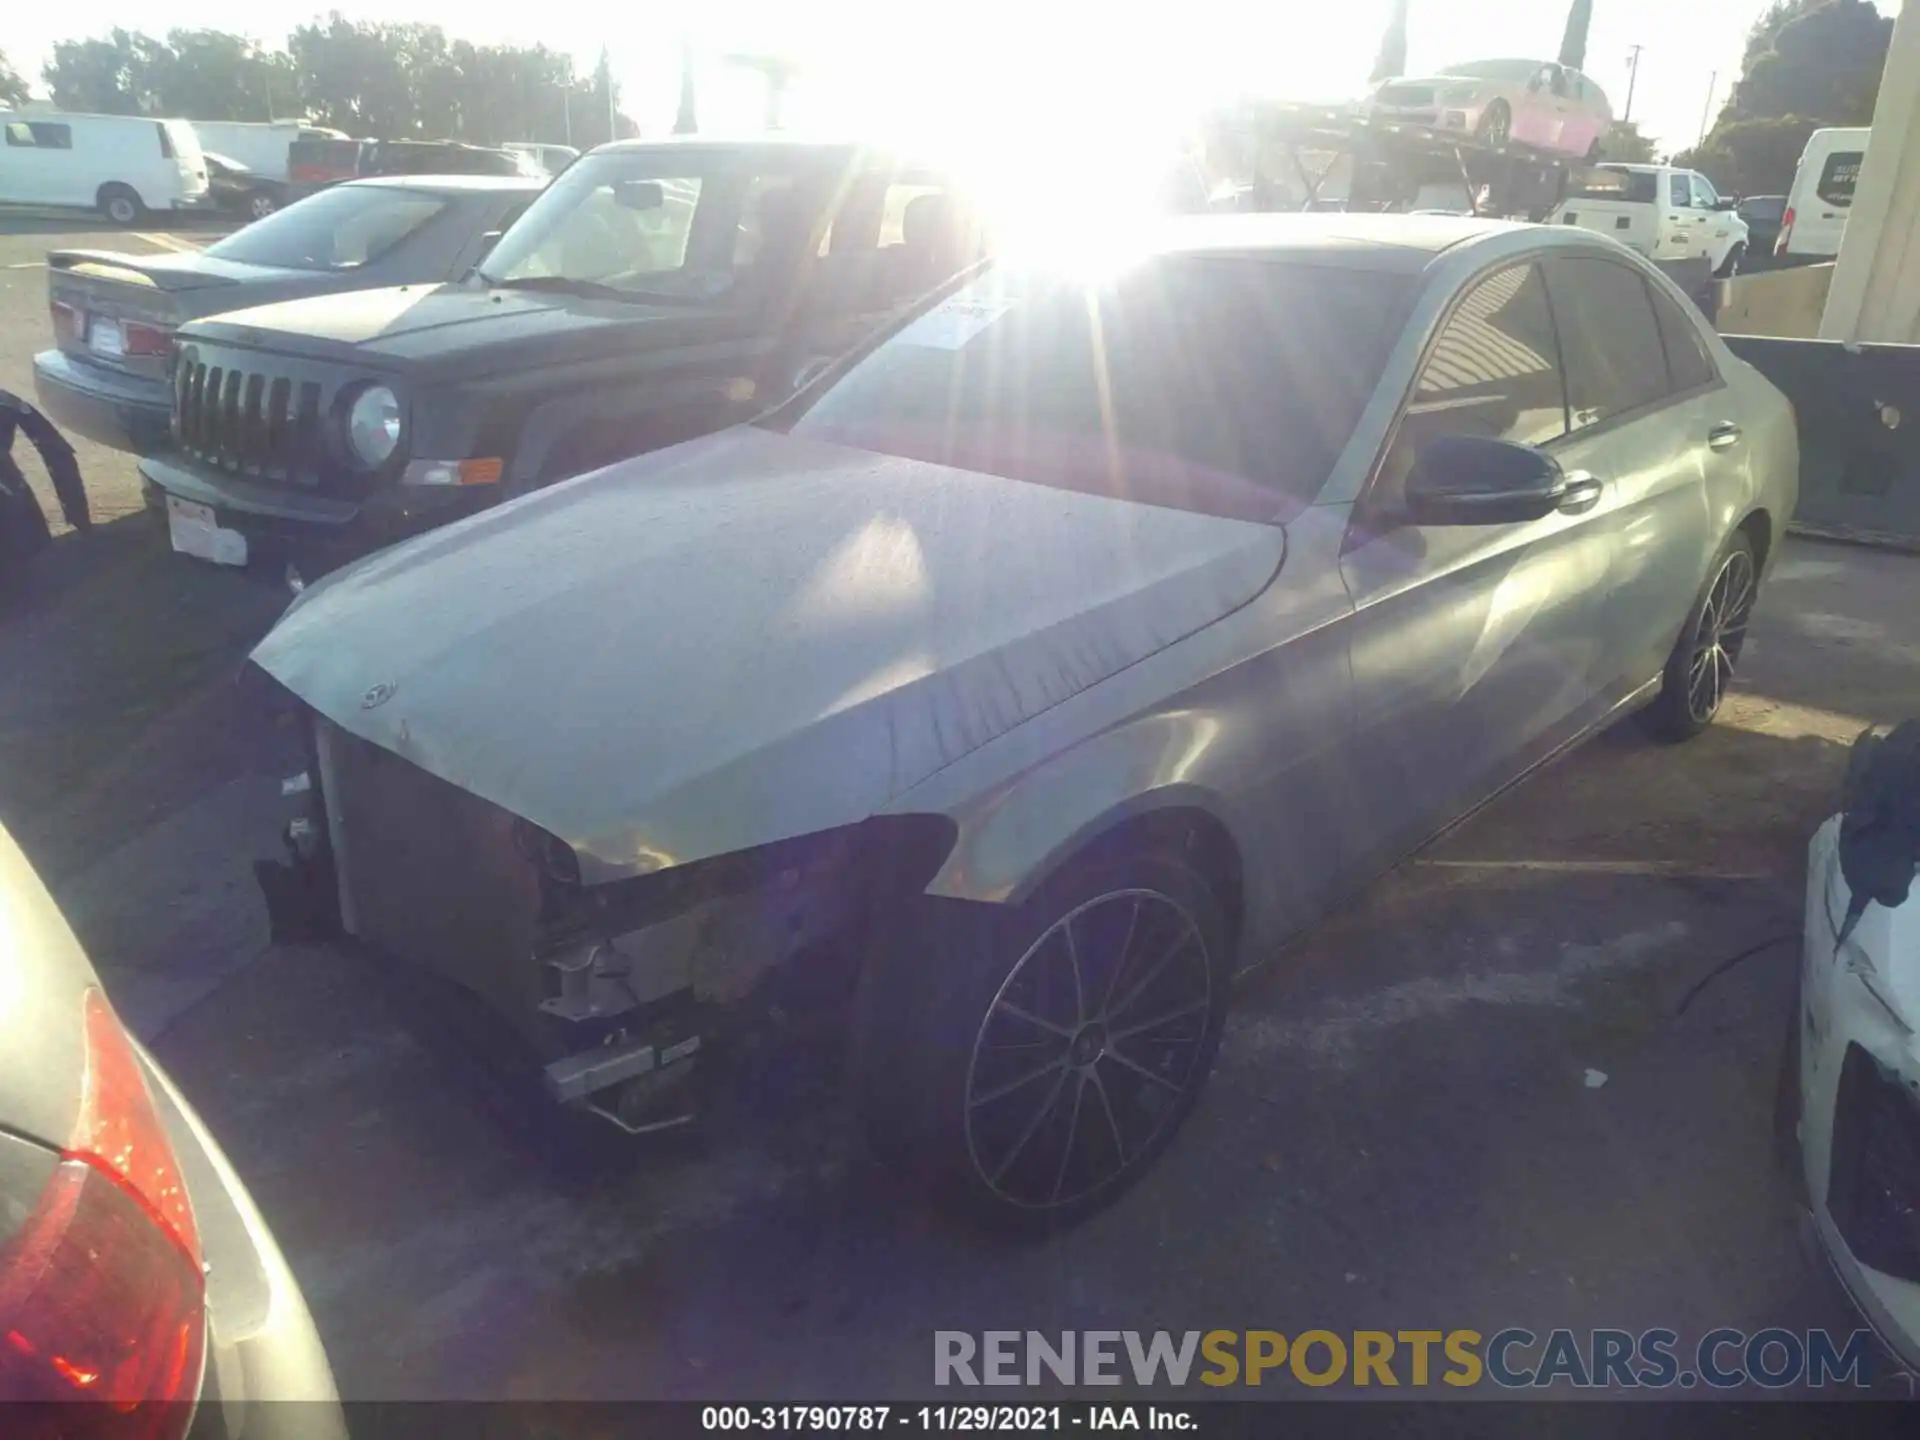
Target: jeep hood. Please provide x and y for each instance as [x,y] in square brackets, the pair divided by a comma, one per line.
[470,326]
[747,637]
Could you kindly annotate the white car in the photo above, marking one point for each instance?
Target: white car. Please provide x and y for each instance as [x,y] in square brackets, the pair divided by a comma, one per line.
[120,165]
[1850,1091]
[1665,214]
[1534,103]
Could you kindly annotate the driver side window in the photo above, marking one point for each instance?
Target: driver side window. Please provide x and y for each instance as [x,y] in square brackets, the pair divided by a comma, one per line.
[1493,371]
[1682,192]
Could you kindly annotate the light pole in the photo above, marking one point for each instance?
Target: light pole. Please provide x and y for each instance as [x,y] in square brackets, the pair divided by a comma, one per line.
[1707,109]
[1633,77]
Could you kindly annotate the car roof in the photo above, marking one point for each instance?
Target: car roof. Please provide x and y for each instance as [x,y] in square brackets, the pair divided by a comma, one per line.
[749,144]
[455,184]
[1398,243]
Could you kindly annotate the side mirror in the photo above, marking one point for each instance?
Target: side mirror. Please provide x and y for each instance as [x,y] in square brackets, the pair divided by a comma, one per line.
[1470,480]
[639,194]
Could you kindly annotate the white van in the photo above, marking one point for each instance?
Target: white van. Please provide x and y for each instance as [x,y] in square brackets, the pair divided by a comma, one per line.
[259,145]
[1665,214]
[121,165]
[1822,193]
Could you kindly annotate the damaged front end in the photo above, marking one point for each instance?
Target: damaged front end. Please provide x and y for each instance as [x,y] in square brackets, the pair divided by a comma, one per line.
[616,988]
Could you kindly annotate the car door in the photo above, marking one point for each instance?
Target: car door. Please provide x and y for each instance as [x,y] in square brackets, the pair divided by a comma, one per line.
[1580,130]
[1556,94]
[1643,401]
[1473,647]
[1534,120]
[1716,225]
[1677,235]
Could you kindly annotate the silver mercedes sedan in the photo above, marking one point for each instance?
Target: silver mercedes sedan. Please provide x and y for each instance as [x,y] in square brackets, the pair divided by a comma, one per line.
[1047,661]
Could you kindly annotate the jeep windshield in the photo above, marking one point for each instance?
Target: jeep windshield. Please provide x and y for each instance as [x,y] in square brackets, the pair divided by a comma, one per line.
[1220,385]
[637,225]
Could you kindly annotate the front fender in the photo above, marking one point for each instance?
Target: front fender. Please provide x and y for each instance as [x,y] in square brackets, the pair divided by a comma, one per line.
[1012,838]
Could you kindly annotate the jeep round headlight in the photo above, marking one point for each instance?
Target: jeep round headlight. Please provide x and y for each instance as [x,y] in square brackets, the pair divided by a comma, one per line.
[373,426]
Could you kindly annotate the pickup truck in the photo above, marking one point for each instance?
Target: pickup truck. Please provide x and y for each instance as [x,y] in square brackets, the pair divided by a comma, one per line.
[1665,214]
[653,293]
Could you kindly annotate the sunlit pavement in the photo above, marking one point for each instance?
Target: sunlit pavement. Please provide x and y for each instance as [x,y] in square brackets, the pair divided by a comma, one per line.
[1405,1130]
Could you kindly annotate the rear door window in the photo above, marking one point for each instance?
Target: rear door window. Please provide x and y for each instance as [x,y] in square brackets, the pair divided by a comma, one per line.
[39,135]
[1689,366]
[1635,187]
[1838,176]
[1609,338]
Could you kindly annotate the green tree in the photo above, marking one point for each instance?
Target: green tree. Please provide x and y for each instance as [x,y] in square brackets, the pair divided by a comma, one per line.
[211,75]
[1391,59]
[1808,63]
[1822,60]
[111,76]
[1752,157]
[13,90]
[1625,144]
[1573,41]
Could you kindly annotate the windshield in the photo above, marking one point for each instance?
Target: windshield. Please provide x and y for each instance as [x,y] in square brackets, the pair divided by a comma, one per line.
[620,224]
[338,229]
[1232,385]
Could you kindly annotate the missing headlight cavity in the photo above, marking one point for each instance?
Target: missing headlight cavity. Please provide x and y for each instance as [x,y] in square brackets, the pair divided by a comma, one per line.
[715,929]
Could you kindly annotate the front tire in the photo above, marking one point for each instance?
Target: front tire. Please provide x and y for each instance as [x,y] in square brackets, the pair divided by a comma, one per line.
[1029,1065]
[1699,671]
[1731,265]
[260,204]
[120,204]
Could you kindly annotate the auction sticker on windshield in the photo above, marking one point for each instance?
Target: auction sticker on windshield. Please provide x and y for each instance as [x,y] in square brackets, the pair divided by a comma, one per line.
[952,323]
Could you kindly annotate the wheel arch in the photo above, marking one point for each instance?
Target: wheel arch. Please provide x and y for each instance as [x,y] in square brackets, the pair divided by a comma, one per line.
[1757,526]
[1185,818]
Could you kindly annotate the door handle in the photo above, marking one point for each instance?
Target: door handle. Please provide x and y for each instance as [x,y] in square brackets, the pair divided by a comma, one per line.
[1579,493]
[1723,436]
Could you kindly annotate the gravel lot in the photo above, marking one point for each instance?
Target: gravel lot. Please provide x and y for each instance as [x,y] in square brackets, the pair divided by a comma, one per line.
[1403,1132]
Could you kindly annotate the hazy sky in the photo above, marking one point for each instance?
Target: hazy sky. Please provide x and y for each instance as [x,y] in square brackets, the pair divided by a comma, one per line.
[868,54]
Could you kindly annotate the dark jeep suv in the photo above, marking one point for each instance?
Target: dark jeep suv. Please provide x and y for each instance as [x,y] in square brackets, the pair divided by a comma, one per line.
[654,292]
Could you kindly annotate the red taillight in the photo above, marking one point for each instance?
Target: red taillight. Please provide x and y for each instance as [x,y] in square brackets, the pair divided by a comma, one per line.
[119,1131]
[1786,230]
[144,339]
[101,1292]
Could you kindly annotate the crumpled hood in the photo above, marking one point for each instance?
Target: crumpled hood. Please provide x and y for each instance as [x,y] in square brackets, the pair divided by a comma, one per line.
[747,637]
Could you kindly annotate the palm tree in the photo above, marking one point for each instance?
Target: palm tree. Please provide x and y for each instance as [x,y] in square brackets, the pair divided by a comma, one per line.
[1573,44]
[1392,59]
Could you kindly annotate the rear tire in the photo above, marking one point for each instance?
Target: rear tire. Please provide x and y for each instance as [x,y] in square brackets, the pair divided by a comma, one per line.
[1699,671]
[120,204]
[1028,1065]
[1496,124]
